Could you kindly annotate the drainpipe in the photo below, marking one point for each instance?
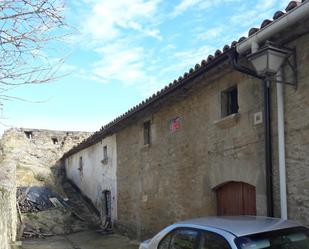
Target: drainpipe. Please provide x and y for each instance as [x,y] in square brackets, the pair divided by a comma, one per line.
[281,146]
[289,19]
[267,124]
[267,147]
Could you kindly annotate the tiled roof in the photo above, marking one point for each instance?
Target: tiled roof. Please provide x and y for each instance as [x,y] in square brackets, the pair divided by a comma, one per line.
[182,80]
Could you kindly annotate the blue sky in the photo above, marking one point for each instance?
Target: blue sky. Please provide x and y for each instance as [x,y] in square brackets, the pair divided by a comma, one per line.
[122,51]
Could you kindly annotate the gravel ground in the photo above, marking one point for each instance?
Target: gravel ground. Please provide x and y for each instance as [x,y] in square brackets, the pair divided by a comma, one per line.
[81,240]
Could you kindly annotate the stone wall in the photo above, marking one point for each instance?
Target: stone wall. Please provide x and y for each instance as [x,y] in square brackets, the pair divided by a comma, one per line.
[36,153]
[8,215]
[28,157]
[174,177]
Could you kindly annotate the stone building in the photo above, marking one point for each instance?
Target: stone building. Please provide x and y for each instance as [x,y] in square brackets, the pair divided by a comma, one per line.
[208,144]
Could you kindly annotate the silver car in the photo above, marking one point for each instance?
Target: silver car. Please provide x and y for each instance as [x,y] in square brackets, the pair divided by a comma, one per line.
[234,232]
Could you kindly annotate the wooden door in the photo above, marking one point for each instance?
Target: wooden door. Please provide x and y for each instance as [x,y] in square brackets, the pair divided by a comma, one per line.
[236,198]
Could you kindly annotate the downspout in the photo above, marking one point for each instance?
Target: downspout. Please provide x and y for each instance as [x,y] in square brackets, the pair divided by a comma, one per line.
[281,146]
[267,143]
[291,18]
[267,125]
[268,149]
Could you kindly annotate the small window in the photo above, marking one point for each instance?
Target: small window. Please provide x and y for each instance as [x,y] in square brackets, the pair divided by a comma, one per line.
[105,153]
[29,134]
[55,140]
[147,131]
[81,165]
[229,101]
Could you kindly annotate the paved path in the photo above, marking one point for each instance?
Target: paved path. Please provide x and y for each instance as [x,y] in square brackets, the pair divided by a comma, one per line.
[82,240]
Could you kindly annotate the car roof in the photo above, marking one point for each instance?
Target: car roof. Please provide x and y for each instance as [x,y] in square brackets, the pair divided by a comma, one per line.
[241,225]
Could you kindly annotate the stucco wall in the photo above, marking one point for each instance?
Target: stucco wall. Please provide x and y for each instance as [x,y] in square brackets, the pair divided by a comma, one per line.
[174,178]
[96,175]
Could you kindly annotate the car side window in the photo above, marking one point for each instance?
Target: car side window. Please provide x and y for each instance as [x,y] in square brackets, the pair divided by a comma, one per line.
[165,242]
[182,238]
[213,241]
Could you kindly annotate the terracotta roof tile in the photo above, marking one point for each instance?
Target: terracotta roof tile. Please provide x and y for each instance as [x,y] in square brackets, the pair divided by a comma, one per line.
[252,31]
[278,14]
[210,58]
[242,39]
[233,44]
[218,52]
[292,5]
[226,48]
[265,23]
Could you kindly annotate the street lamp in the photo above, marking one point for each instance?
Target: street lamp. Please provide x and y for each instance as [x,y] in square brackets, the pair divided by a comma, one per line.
[268,59]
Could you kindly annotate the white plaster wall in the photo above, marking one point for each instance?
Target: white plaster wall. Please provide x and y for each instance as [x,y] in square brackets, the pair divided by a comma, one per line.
[96,176]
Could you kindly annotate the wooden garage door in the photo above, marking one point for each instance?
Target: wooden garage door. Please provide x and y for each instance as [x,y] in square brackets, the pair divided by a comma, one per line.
[236,198]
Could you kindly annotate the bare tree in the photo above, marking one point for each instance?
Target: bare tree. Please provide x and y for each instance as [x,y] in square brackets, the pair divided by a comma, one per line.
[27,27]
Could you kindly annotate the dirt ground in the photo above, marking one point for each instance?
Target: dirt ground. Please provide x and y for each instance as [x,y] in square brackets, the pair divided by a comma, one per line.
[81,240]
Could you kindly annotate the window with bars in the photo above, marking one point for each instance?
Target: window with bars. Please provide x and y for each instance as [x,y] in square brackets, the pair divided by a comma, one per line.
[229,101]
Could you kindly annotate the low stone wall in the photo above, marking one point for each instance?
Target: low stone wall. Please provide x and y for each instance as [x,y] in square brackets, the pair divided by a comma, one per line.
[8,214]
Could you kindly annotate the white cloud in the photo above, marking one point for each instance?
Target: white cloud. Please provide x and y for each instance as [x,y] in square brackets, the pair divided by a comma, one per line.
[265,4]
[185,5]
[119,62]
[114,30]
[210,34]
[108,18]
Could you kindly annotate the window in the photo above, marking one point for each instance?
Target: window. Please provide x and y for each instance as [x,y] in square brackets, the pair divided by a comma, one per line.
[147,126]
[180,239]
[55,140]
[81,166]
[184,239]
[165,242]
[229,101]
[290,238]
[29,134]
[105,152]
[105,157]
[213,241]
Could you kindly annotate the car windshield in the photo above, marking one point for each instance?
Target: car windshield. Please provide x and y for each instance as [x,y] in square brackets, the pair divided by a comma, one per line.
[293,238]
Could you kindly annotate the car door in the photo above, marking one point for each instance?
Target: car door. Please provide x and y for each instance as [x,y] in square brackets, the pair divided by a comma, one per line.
[180,238]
